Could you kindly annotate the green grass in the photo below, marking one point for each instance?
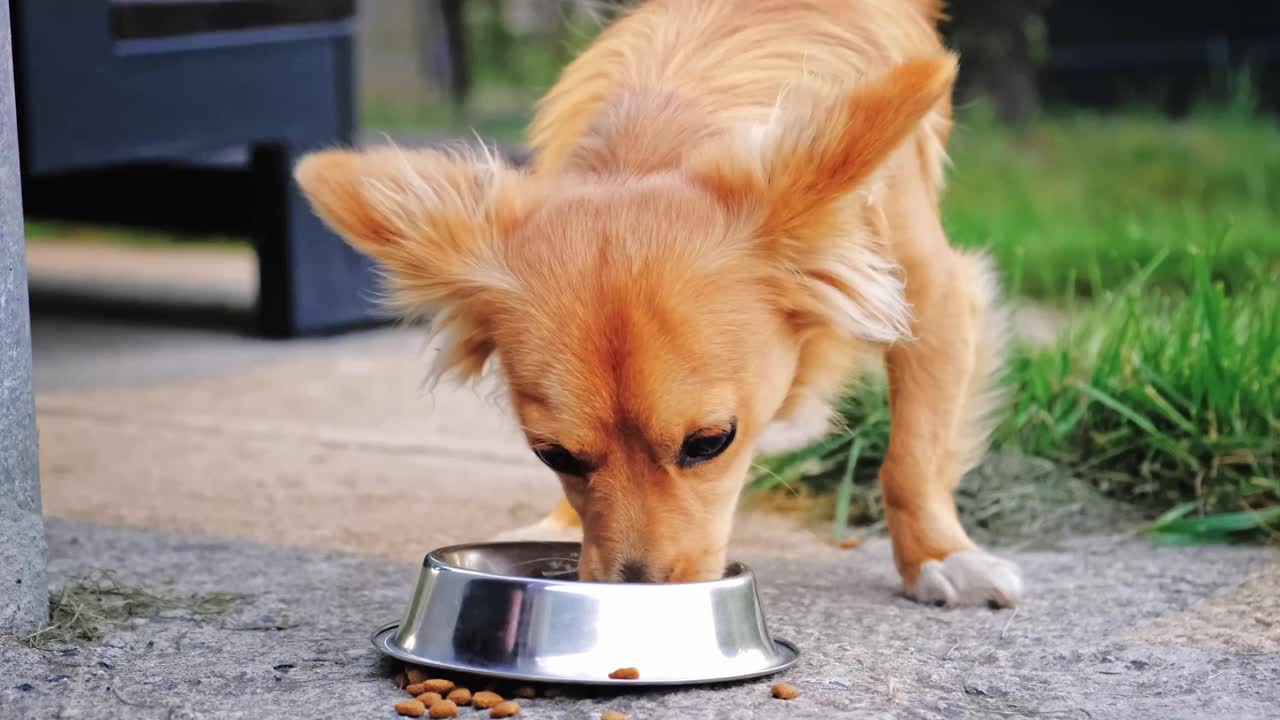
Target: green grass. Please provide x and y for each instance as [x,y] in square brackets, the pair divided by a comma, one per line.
[1162,397]
[1168,400]
[1074,204]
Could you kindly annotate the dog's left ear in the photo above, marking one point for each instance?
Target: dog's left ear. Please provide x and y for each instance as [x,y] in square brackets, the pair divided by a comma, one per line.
[793,176]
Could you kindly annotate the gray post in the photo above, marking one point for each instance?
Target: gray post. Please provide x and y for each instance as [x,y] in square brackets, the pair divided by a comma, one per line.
[24,592]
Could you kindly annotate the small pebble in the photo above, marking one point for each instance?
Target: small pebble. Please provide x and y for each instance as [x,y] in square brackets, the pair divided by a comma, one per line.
[460,696]
[505,709]
[783,691]
[485,699]
[429,698]
[627,673]
[411,708]
[444,709]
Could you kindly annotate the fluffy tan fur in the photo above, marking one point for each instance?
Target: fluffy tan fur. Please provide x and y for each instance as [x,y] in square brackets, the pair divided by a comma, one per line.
[733,201]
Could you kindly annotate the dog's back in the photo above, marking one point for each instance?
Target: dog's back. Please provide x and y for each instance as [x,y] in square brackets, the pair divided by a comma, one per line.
[674,73]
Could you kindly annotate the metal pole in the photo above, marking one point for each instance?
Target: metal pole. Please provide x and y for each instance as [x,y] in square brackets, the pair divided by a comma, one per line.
[24,591]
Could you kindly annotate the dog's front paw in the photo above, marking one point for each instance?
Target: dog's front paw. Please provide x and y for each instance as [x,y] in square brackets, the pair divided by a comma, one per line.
[969,577]
[544,531]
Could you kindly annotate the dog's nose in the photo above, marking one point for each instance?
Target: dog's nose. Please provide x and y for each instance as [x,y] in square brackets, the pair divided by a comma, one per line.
[634,572]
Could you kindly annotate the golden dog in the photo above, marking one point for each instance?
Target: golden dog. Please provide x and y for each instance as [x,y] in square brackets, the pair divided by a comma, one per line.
[733,201]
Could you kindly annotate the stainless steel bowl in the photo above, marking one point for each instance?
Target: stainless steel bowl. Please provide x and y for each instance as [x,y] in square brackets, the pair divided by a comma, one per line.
[517,611]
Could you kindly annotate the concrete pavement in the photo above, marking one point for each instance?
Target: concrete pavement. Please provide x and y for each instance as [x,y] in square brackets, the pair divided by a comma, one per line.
[1111,629]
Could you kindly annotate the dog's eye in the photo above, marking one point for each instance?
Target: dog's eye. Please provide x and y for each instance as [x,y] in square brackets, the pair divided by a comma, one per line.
[561,460]
[705,445]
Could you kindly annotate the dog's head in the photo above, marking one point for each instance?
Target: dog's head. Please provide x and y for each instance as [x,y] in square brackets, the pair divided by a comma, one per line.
[648,327]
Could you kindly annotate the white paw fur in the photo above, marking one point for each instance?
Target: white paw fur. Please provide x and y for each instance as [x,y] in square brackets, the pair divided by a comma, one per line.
[970,577]
[543,531]
[808,424]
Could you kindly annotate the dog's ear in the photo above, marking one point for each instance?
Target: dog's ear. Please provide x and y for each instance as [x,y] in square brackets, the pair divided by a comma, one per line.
[820,145]
[436,222]
[793,176]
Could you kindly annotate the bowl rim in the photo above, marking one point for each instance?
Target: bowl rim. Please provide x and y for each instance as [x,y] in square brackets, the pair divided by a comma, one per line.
[742,573]
[383,642]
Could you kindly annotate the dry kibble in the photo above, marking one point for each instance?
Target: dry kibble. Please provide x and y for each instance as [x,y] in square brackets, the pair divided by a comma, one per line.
[460,696]
[850,543]
[412,708]
[625,674]
[437,685]
[444,709]
[783,691]
[417,688]
[526,692]
[415,675]
[612,715]
[429,698]
[503,709]
[485,699]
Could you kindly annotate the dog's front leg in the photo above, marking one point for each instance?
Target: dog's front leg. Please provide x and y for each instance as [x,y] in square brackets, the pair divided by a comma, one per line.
[560,525]
[939,399]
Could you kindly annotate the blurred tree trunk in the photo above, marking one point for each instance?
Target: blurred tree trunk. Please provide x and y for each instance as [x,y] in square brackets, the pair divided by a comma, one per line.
[1001,45]
[459,62]
[442,39]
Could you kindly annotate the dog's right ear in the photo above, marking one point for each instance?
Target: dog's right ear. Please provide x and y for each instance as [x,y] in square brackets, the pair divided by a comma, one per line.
[436,222]
[796,178]
[822,145]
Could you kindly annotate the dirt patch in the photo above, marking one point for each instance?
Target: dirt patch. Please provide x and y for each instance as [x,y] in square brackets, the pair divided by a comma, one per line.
[85,607]
[1011,499]
[1245,618]
[1022,501]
